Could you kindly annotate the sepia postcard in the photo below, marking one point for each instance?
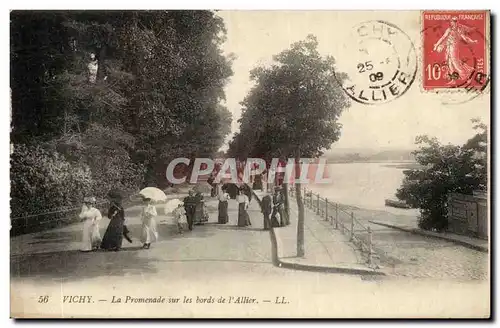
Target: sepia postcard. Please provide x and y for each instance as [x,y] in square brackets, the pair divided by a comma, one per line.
[250,164]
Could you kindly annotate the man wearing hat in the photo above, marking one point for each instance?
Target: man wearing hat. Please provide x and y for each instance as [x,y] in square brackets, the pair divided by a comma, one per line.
[266,209]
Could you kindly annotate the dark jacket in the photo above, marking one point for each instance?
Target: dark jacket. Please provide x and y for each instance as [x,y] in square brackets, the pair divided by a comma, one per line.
[266,204]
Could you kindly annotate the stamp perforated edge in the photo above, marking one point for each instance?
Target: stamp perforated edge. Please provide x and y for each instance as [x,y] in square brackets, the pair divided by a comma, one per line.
[487,51]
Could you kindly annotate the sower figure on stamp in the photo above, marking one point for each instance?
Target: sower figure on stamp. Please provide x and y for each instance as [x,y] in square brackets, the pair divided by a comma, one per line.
[452,37]
[267,208]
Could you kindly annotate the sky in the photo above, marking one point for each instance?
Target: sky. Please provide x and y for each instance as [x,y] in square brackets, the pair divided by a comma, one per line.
[255,36]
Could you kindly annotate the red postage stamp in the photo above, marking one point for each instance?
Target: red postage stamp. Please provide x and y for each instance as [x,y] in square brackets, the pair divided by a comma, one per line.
[455,50]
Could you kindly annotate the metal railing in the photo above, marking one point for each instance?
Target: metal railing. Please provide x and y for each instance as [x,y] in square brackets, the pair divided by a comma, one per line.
[341,219]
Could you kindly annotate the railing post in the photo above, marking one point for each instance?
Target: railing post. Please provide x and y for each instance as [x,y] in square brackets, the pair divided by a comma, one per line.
[336,215]
[317,205]
[352,226]
[370,247]
[326,209]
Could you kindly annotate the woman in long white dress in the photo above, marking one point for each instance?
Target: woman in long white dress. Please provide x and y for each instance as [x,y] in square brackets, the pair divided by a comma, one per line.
[149,232]
[91,238]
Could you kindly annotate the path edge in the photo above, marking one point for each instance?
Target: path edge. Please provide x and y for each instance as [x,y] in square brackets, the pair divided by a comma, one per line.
[432,235]
[315,268]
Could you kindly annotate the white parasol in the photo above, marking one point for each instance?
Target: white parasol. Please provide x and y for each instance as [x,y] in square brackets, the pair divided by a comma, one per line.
[153,193]
[171,205]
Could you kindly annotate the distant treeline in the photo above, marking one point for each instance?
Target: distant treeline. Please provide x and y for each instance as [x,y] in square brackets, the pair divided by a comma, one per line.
[386,155]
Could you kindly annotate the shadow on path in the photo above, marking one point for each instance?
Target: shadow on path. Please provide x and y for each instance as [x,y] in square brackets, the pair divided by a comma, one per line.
[76,265]
[235,227]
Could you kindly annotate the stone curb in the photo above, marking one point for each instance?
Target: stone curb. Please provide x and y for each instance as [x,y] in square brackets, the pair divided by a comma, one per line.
[433,235]
[329,269]
[322,269]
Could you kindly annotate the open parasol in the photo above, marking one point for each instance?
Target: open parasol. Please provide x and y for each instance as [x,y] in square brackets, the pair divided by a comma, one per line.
[153,193]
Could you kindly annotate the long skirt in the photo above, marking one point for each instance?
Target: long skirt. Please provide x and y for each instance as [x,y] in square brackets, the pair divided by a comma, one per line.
[149,232]
[274,220]
[243,217]
[113,236]
[223,216]
[90,236]
[200,214]
[266,220]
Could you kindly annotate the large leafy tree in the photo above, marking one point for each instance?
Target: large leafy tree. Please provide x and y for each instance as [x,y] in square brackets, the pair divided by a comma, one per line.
[445,169]
[292,111]
[160,82]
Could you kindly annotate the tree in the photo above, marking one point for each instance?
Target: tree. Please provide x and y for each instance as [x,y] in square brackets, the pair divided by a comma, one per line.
[160,81]
[446,169]
[292,111]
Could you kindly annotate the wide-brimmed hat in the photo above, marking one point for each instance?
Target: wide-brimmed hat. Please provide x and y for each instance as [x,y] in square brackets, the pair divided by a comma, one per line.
[115,194]
[89,200]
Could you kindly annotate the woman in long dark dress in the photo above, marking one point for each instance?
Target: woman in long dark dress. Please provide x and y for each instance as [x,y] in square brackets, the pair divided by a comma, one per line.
[113,236]
[223,199]
[243,217]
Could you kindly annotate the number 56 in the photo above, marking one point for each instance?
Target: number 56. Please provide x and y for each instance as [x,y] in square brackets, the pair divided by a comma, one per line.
[43,299]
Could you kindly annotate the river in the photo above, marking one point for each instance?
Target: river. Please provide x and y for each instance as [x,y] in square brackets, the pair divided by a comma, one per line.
[364,185]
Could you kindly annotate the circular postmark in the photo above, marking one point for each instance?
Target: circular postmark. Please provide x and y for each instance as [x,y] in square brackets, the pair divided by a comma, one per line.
[455,57]
[378,63]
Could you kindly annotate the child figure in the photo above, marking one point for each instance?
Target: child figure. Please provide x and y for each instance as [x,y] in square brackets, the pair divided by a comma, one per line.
[179,217]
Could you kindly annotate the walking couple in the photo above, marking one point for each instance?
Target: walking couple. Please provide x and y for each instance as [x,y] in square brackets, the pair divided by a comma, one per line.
[274,207]
[116,230]
[243,201]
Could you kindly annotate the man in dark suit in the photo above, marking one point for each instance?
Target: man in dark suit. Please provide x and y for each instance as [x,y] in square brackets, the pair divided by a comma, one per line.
[190,207]
[267,208]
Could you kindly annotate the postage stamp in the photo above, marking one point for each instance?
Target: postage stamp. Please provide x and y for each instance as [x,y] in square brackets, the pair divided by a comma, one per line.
[455,50]
[381,63]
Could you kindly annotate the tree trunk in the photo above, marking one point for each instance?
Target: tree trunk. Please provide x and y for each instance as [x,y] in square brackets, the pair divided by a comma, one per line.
[274,243]
[300,205]
[272,234]
[285,194]
[287,202]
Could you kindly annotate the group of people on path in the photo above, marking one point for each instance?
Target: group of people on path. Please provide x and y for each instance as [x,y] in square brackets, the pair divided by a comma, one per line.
[242,199]
[192,209]
[194,206]
[273,208]
[116,230]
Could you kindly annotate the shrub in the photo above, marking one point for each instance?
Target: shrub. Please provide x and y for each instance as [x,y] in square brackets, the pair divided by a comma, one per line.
[43,181]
